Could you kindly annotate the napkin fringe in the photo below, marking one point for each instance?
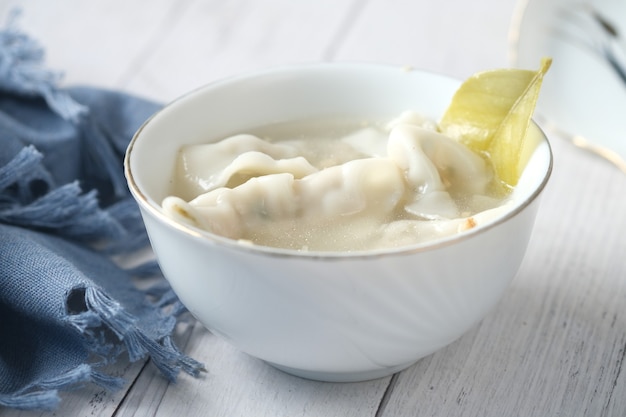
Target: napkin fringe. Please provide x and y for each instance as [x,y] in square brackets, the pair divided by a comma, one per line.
[24,162]
[45,395]
[43,400]
[68,212]
[63,210]
[103,311]
[22,72]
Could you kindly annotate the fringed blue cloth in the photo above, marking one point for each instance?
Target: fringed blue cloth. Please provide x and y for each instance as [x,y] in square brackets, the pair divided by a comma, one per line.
[66,308]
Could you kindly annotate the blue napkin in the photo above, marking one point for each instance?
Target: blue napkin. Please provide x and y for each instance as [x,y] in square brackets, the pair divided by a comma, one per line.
[66,308]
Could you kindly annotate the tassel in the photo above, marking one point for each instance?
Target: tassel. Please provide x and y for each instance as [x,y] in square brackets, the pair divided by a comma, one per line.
[106,381]
[26,160]
[81,373]
[84,321]
[45,396]
[189,365]
[40,400]
[138,344]
[23,178]
[66,212]
[21,71]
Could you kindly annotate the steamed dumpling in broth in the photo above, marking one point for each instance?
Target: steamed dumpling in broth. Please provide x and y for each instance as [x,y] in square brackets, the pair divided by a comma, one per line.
[339,187]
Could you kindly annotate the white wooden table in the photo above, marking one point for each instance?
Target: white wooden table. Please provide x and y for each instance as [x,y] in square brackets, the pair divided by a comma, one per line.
[555,345]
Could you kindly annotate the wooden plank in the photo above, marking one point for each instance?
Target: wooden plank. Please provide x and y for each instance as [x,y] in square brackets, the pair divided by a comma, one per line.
[93,42]
[238,385]
[208,40]
[453,39]
[555,345]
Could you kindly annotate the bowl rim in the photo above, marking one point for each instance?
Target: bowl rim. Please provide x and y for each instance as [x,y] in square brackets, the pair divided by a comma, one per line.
[151,206]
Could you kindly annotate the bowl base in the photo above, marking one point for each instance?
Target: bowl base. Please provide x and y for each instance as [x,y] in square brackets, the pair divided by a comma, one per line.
[358,376]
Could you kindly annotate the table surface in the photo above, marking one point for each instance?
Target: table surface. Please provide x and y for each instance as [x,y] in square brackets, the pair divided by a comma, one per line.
[556,343]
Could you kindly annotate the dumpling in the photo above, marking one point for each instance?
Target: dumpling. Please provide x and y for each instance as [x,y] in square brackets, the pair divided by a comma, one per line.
[201,167]
[371,187]
[436,166]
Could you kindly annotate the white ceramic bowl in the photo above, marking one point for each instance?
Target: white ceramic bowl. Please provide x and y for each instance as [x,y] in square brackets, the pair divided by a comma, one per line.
[325,316]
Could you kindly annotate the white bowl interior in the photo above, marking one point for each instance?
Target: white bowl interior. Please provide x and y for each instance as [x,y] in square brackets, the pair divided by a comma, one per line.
[294,93]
